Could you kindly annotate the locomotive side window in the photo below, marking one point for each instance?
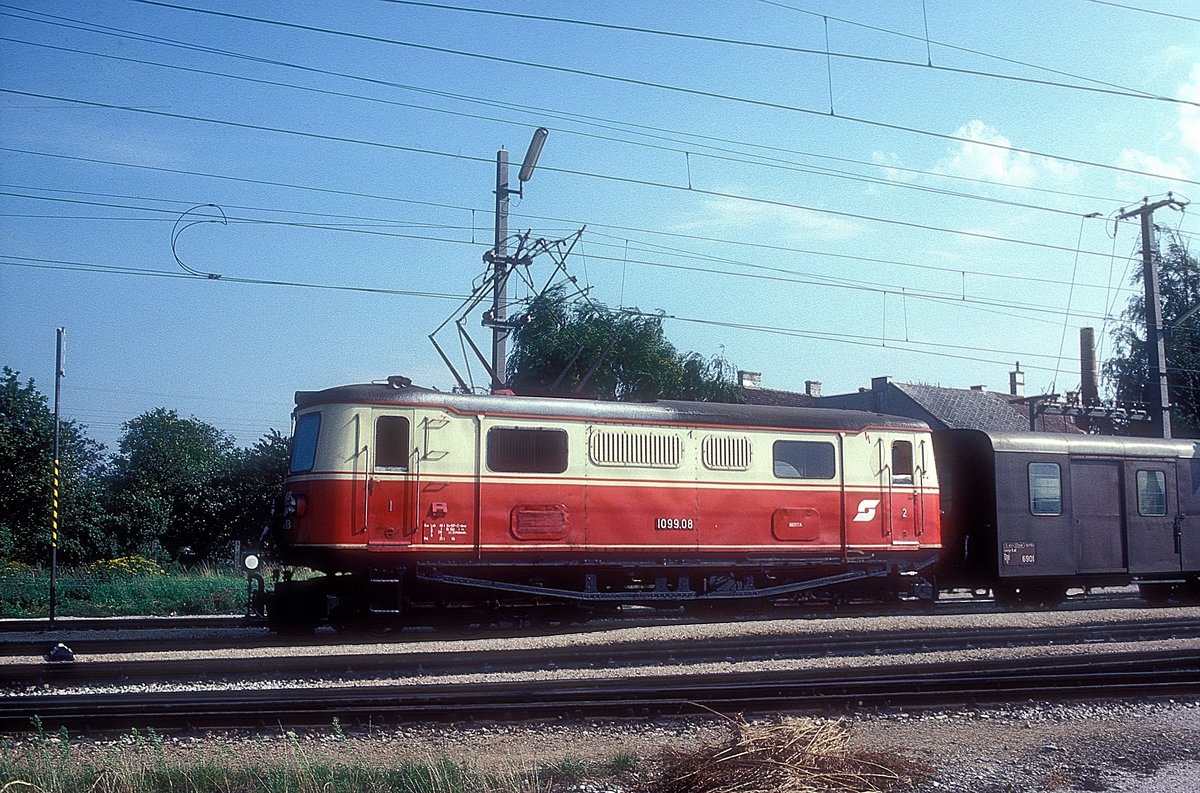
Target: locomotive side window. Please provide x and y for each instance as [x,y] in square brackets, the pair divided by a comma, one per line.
[1152,493]
[527,451]
[902,463]
[391,442]
[1045,489]
[304,443]
[804,460]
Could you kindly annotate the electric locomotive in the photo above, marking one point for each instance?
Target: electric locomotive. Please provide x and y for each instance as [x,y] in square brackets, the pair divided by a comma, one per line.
[413,502]
[406,497]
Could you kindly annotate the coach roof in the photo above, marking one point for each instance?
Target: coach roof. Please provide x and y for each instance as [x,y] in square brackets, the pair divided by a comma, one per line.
[397,392]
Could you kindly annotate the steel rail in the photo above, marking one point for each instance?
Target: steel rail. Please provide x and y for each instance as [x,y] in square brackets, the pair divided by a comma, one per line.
[1093,676]
[665,651]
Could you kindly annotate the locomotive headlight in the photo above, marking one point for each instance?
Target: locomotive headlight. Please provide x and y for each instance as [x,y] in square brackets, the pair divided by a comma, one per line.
[294,504]
[251,562]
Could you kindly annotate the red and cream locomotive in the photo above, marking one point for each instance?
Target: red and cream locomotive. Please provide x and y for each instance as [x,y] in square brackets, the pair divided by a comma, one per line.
[408,497]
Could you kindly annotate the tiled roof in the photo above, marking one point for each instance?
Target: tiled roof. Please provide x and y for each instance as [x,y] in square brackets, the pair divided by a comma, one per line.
[772,396]
[962,408]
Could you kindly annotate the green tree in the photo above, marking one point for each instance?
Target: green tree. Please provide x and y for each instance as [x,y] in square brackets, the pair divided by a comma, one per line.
[26,480]
[167,498]
[589,350]
[1128,370]
[252,481]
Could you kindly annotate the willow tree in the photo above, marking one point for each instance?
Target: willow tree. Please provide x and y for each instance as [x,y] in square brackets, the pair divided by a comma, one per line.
[584,349]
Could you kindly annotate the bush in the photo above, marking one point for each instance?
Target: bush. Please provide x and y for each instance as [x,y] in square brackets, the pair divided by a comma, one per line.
[130,586]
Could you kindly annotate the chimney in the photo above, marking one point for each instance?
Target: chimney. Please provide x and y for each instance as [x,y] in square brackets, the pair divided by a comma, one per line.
[880,383]
[979,388]
[750,379]
[813,388]
[1089,385]
[1016,381]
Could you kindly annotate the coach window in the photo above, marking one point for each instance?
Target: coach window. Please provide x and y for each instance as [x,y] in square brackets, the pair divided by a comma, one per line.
[804,460]
[304,443]
[391,442]
[527,451]
[902,463]
[1152,493]
[1045,489]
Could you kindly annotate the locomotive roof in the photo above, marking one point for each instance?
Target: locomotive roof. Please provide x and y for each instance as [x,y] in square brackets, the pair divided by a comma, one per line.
[662,411]
[1085,445]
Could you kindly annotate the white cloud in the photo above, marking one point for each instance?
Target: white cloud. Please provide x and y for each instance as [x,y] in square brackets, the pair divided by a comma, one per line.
[992,158]
[1189,115]
[1138,160]
[793,223]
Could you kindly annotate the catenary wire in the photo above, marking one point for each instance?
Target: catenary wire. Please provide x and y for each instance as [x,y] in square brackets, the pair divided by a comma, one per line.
[572,222]
[526,63]
[761,45]
[622,126]
[556,169]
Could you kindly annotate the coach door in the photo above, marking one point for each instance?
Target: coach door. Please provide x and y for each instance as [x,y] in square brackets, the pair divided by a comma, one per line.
[901,479]
[392,482]
[1096,506]
[1154,522]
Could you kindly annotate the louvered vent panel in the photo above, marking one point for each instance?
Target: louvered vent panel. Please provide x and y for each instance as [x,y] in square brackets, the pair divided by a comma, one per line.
[635,449]
[722,453]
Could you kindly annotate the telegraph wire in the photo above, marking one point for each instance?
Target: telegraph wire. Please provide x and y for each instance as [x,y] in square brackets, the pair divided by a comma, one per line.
[621,126]
[649,84]
[1138,9]
[51,264]
[949,46]
[809,279]
[569,221]
[745,158]
[624,127]
[58,264]
[573,222]
[1126,93]
[574,172]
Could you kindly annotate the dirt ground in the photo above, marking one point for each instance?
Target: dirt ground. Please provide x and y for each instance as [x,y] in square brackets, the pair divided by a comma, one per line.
[1138,747]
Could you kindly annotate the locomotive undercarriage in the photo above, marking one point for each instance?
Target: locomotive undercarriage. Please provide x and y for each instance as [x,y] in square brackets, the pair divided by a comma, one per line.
[443,590]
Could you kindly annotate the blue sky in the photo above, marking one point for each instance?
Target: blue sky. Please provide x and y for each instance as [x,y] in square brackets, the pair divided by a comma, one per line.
[933,227]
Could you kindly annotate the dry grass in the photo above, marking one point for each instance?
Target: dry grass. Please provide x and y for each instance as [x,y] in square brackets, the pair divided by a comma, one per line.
[787,755]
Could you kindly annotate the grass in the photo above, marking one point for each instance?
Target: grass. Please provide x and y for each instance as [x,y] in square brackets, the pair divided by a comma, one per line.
[785,755]
[120,587]
[142,762]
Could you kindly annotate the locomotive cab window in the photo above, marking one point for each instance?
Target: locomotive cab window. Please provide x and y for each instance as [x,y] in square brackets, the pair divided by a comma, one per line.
[1152,493]
[804,460]
[1045,489]
[304,443]
[526,451]
[391,442]
[902,463]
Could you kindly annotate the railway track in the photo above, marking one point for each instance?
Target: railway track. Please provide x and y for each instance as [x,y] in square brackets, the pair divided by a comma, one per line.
[94,636]
[1115,675]
[459,658]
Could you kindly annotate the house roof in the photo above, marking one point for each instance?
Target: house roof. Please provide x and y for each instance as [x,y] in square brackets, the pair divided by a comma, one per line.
[777,398]
[964,408]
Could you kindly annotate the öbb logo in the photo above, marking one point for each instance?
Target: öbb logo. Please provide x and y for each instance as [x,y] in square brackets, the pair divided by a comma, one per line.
[866,510]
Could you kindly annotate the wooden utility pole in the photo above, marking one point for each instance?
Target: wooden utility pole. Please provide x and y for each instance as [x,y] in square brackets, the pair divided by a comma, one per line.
[1160,402]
